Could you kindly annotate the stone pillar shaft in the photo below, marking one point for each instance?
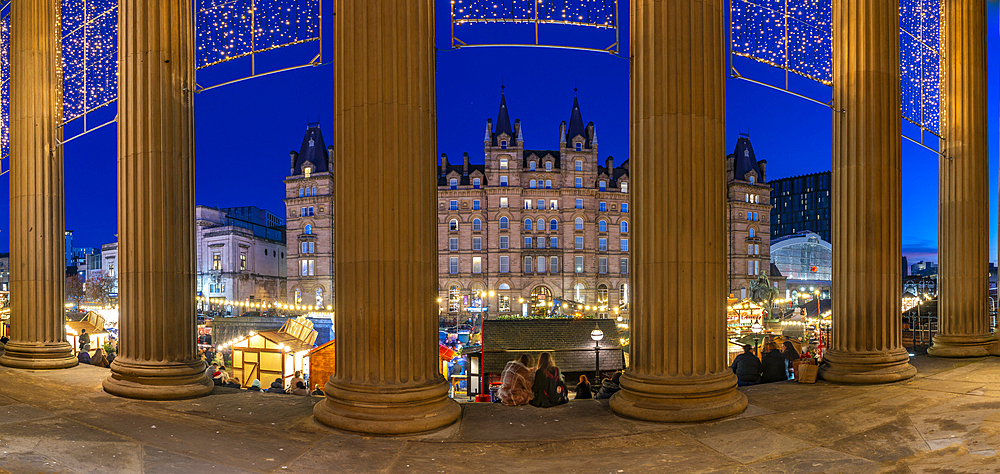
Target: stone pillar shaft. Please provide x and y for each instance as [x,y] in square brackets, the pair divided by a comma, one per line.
[679,367]
[867,201]
[387,377]
[156,280]
[963,214]
[37,192]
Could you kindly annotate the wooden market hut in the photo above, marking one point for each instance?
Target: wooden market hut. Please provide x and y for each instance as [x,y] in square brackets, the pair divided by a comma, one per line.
[321,364]
[270,355]
[94,324]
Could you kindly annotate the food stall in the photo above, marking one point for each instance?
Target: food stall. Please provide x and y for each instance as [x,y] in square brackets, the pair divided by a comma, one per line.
[95,325]
[268,355]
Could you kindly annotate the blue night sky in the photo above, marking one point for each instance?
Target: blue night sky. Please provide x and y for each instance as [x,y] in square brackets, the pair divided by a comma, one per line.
[245,130]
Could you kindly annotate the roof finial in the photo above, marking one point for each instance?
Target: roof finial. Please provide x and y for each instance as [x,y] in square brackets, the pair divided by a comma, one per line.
[574,88]
[502,86]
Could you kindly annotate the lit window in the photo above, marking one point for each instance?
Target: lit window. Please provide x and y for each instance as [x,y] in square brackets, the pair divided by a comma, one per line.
[477,243]
[453,205]
[475,205]
[602,185]
[532,165]
[504,264]
[309,229]
[453,225]
[548,184]
[307,172]
[624,187]
[319,297]
[553,264]
[298,296]
[602,226]
[503,163]
[527,265]
[504,223]
[477,264]
[454,183]
[503,202]
[504,303]
[532,184]
[475,183]
[527,203]
[553,225]
[578,223]
[624,227]
[453,265]
[578,183]
[453,296]
[477,225]
[554,205]
[746,197]
[578,242]
[504,242]
[216,263]
[602,265]
[503,181]
[453,243]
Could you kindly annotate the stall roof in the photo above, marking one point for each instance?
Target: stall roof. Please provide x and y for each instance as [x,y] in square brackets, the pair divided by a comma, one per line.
[567,339]
[291,342]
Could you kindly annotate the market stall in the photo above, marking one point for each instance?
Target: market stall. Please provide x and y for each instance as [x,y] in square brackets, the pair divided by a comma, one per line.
[268,355]
[95,325]
[321,364]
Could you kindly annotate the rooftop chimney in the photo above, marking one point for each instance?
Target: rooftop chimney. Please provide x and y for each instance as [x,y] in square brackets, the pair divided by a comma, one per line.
[465,164]
[294,156]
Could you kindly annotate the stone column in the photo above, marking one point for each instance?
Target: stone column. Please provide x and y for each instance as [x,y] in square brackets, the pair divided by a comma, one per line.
[963,187]
[157,351]
[867,202]
[37,192]
[679,367]
[387,377]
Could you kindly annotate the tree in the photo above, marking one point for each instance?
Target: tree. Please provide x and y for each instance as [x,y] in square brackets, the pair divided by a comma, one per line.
[74,289]
[100,288]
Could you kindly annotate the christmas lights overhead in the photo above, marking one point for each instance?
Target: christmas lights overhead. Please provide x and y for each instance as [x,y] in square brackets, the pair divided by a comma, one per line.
[595,13]
[231,29]
[5,80]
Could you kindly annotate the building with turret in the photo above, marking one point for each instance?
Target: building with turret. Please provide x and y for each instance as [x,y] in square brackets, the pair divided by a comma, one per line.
[535,229]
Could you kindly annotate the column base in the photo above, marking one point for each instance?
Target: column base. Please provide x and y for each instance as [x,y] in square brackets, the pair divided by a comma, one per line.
[38,355]
[679,399]
[962,345]
[867,367]
[387,409]
[148,380]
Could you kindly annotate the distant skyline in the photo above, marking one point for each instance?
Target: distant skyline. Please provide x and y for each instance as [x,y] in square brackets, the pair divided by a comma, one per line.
[244,131]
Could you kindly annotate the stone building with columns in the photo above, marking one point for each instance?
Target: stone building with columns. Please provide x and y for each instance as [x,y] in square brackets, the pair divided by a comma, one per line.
[533,226]
[234,262]
[309,217]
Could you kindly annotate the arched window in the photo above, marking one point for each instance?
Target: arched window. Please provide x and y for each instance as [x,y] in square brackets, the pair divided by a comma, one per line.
[503,163]
[301,192]
[298,296]
[623,299]
[504,223]
[453,299]
[454,183]
[553,225]
[548,184]
[602,294]
[752,233]
[602,226]
[624,227]
[453,225]
[314,190]
[319,298]
[541,224]
[477,224]
[532,184]
[746,197]
[578,223]
[752,180]
[527,224]
[309,229]
[504,286]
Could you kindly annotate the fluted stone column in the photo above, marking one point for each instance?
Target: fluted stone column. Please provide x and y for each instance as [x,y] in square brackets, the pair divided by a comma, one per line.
[157,352]
[679,368]
[867,202]
[963,214]
[387,378]
[37,192]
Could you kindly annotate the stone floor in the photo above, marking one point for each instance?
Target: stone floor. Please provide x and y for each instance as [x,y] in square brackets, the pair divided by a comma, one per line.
[947,419]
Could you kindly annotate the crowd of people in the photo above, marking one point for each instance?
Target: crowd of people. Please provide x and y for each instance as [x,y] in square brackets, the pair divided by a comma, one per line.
[544,385]
[774,366]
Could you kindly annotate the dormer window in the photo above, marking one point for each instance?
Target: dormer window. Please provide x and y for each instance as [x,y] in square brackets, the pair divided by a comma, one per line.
[454,183]
[307,171]
[602,185]
[548,166]
[624,187]
[579,146]
[503,163]
[752,179]
[476,183]
[503,144]
[532,165]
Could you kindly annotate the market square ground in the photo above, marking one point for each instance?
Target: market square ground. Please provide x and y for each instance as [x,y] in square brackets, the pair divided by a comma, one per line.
[946,419]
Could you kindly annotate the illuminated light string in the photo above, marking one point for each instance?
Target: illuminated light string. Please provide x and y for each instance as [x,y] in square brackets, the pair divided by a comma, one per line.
[758,31]
[594,13]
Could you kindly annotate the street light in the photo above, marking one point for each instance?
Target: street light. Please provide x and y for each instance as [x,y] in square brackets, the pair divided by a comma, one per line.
[597,335]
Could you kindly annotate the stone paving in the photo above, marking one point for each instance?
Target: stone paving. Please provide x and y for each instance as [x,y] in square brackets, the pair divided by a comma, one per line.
[947,419]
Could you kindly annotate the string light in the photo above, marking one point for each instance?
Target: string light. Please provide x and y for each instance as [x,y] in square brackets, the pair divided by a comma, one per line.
[595,13]
[235,29]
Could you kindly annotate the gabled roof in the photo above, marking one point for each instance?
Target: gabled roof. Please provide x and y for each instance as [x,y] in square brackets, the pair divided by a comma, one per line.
[463,180]
[746,160]
[540,154]
[567,339]
[313,151]
[576,126]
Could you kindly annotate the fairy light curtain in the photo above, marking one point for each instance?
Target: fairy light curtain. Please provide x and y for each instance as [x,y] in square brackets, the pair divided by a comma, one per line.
[89,61]
[796,35]
[4,84]
[591,13]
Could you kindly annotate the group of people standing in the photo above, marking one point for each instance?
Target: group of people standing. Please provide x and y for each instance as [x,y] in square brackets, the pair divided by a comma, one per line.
[775,366]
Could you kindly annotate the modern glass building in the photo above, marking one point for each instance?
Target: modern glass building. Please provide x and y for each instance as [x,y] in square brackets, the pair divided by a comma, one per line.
[801,203]
[805,259]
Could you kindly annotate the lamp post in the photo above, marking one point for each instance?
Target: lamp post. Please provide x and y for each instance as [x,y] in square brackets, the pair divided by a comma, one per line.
[597,335]
[756,328]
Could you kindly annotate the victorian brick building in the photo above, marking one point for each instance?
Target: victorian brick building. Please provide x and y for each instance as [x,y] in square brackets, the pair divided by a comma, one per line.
[532,227]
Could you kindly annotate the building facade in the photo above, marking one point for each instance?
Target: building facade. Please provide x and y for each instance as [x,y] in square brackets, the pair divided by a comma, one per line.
[309,211]
[234,263]
[537,230]
[806,261]
[748,210]
[801,203]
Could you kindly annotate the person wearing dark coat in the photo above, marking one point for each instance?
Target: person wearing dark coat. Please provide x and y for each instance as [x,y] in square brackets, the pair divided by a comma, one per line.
[583,389]
[546,368]
[84,355]
[746,367]
[276,387]
[84,338]
[773,366]
[609,387]
[791,355]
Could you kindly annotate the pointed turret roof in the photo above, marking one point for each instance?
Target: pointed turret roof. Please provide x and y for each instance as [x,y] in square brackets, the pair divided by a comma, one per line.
[313,151]
[503,120]
[576,126]
[746,160]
